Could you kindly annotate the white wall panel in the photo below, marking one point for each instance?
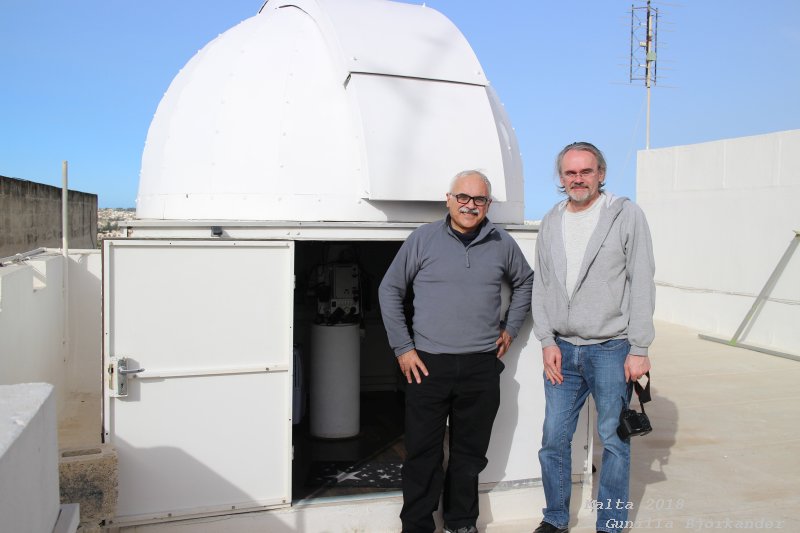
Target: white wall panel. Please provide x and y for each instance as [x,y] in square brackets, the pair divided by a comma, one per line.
[720,231]
[419,133]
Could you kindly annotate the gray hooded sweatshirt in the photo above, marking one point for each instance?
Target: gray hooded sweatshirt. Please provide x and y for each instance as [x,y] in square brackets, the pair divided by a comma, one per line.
[614,296]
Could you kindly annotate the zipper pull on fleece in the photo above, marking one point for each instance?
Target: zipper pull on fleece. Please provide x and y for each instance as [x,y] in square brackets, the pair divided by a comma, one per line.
[466,257]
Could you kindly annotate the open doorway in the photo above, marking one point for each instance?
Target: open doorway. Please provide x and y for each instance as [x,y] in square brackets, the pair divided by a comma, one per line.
[336,284]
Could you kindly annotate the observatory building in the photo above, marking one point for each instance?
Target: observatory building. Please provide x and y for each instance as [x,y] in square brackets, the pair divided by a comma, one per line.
[347,110]
[283,168]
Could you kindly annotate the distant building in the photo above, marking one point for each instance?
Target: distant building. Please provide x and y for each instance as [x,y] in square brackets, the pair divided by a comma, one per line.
[108,224]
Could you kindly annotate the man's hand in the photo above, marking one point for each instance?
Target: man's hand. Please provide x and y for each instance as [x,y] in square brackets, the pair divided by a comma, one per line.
[410,363]
[503,342]
[551,357]
[636,366]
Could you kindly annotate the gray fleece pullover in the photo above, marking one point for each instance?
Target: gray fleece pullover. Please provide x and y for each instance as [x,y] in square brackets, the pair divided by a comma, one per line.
[457,306]
[615,294]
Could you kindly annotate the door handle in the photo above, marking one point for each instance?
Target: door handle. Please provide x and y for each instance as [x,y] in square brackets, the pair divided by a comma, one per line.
[122,370]
[118,376]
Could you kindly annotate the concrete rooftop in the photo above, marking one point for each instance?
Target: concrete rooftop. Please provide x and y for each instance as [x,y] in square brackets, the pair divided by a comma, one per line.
[725,443]
[723,453]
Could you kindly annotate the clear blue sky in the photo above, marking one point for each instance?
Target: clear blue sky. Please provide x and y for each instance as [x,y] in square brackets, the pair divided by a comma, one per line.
[82,79]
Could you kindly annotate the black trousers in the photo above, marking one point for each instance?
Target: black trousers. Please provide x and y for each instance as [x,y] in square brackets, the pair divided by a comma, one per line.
[465,388]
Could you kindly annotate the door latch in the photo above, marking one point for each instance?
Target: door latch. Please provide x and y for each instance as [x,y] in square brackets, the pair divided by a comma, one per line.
[118,376]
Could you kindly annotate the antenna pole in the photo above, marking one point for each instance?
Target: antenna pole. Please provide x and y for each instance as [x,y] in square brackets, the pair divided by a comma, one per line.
[649,62]
[644,43]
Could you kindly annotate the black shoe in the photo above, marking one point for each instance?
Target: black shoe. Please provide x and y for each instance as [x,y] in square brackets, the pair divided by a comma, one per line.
[464,529]
[547,527]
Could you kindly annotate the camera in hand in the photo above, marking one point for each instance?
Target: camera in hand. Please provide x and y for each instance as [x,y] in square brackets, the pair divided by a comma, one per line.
[633,423]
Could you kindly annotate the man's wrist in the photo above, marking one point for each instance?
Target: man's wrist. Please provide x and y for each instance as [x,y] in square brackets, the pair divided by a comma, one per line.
[548,341]
[404,350]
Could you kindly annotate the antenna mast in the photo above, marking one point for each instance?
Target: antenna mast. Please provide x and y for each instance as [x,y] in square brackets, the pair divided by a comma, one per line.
[644,41]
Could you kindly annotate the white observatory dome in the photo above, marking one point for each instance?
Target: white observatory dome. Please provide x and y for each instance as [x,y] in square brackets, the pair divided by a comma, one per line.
[328,110]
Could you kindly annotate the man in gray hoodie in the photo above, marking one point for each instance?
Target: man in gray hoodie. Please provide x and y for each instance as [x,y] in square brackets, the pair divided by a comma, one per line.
[451,354]
[593,301]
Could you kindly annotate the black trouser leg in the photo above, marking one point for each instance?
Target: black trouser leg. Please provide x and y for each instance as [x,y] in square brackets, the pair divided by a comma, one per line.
[427,407]
[476,398]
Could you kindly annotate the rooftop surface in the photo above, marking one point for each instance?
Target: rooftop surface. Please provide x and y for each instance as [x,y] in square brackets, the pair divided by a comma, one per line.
[724,449]
[723,454]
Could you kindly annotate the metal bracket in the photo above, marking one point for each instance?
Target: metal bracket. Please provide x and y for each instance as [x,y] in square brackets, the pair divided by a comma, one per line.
[755,309]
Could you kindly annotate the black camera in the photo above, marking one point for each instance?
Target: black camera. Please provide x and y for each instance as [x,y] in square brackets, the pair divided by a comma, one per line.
[633,423]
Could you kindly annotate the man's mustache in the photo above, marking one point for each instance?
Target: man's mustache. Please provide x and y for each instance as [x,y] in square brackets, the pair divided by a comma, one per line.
[467,210]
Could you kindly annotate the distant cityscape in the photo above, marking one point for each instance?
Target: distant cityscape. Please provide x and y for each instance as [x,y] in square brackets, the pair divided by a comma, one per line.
[108,221]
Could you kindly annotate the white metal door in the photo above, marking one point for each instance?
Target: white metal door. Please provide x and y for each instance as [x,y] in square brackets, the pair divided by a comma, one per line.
[202,419]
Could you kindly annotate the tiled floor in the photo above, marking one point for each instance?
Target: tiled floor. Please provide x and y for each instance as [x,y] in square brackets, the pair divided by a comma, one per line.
[380,439]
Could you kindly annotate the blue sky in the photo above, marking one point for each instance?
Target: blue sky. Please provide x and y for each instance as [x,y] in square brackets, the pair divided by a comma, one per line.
[82,79]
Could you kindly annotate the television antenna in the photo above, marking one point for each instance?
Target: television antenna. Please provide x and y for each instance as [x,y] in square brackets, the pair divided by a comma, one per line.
[644,42]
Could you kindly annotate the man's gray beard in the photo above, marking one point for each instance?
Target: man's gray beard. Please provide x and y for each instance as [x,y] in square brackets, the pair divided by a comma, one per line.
[578,196]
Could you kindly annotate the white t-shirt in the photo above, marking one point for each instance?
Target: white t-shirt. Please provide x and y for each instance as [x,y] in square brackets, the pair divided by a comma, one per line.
[578,229]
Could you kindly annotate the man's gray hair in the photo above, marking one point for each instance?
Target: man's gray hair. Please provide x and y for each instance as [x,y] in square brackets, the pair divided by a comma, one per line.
[465,173]
[584,147]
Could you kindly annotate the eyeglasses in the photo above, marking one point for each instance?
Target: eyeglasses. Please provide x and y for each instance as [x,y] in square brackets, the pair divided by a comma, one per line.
[464,199]
[585,173]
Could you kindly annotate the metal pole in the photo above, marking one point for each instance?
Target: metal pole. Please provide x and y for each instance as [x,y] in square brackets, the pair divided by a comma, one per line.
[64,207]
[647,127]
[757,305]
[648,65]
[767,289]
[65,254]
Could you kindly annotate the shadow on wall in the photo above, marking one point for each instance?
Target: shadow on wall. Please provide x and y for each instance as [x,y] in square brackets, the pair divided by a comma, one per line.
[174,483]
[85,365]
[505,423]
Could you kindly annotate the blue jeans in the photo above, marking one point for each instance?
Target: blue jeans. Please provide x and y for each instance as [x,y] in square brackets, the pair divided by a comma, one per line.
[598,369]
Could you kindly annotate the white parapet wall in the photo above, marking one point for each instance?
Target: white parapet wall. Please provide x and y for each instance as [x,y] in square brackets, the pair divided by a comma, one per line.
[29,497]
[33,318]
[84,364]
[722,215]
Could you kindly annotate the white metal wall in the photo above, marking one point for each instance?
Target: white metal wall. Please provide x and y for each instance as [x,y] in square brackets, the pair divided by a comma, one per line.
[204,427]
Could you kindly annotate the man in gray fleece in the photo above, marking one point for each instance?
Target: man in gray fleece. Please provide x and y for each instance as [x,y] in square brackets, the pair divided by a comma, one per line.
[451,353]
[593,301]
